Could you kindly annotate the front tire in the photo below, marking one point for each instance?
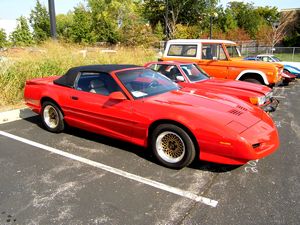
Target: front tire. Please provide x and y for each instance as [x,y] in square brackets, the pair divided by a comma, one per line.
[172,146]
[52,117]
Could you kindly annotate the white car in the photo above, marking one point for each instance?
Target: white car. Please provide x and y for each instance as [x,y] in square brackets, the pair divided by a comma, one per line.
[272,58]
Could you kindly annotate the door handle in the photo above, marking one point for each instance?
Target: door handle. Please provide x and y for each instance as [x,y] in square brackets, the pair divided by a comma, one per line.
[74,97]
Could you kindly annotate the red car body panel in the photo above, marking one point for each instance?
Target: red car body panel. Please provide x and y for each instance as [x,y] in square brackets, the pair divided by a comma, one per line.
[226,131]
[239,89]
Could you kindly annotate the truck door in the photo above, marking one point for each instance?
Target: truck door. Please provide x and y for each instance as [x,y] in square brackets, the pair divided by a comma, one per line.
[214,60]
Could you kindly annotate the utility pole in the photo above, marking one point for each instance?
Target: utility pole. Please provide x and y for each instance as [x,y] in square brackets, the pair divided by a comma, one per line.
[166,19]
[52,19]
[210,27]
[210,18]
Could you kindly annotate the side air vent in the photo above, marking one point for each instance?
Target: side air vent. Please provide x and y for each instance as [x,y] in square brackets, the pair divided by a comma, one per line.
[235,112]
[242,108]
[256,145]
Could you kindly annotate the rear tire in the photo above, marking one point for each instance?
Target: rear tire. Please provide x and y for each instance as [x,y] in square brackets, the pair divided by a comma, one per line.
[52,117]
[172,146]
[253,80]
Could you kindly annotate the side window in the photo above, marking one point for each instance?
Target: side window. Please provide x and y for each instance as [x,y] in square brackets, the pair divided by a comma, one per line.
[170,71]
[265,59]
[99,83]
[233,51]
[213,50]
[183,50]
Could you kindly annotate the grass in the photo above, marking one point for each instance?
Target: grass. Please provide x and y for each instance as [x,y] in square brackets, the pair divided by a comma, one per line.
[54,58]
[288,57]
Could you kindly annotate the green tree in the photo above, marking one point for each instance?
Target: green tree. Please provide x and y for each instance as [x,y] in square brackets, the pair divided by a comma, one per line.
[22,36]
[246,16]
[184,31]
[154,11]
[270,15]
[159,31]
[39,20]
[187,12]
[64,24]
[109,16]
[137,34]
[81,27]
[226,21]
[2,38]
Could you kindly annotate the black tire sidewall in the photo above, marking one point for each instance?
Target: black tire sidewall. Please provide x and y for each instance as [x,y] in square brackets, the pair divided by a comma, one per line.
[190,151]
[60,127]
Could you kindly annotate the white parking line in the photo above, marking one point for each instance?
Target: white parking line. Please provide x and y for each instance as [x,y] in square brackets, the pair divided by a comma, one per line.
[119,172]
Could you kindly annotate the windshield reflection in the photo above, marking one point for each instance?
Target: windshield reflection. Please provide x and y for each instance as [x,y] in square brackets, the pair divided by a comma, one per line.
[145,82]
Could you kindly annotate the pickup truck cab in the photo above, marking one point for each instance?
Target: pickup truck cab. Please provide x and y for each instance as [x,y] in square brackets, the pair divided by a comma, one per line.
[222,59]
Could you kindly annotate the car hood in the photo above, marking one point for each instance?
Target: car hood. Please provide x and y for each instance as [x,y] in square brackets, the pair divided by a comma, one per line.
[294,64]
[233,85]
[211,106]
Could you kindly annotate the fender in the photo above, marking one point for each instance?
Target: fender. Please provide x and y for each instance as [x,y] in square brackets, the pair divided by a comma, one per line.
[54,96]
[262,74]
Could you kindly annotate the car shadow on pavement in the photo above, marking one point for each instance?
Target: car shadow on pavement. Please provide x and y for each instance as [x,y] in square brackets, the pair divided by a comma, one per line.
[212,167]
[126,146]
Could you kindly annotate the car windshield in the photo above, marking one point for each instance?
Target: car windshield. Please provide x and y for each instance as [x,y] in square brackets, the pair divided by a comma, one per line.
[194,73]
[145,82]
[233,51]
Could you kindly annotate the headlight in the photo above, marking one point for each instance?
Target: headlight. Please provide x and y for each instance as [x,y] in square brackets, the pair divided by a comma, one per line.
[258,100]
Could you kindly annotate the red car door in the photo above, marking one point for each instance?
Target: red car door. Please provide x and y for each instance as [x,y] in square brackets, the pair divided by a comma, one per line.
[91,108]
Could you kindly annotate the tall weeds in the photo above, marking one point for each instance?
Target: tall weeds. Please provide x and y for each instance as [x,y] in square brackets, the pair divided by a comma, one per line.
[55,59]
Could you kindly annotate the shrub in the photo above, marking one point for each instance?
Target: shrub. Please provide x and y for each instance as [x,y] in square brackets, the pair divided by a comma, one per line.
[54,58]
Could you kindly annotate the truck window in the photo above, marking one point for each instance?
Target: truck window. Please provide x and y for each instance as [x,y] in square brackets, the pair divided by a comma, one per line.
[233,51]
[213,50]
[183,50]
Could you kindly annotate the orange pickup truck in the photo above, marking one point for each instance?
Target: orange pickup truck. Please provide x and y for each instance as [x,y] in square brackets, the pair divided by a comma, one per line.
[222,59]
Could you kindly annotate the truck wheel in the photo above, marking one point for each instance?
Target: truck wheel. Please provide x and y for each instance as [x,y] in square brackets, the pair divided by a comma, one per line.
[172,146]
[253,80]
[52,117]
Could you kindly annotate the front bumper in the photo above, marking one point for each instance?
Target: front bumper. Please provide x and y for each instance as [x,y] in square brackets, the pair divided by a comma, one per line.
[271,106]
[256,142]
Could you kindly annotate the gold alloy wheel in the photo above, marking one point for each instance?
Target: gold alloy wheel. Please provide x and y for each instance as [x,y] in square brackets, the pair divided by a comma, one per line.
[51,117]
[170,147]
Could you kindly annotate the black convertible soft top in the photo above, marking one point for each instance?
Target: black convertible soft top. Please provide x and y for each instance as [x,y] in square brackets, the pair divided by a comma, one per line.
[69,77]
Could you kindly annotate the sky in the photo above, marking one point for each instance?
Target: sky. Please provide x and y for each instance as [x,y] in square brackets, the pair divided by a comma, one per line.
[12,9]
[280,4]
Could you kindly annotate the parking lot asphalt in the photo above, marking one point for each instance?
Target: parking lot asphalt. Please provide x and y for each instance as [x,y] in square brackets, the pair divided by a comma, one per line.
[40,186]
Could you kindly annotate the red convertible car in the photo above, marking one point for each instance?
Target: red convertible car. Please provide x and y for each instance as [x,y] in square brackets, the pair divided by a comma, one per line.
[190,75]
[143,107]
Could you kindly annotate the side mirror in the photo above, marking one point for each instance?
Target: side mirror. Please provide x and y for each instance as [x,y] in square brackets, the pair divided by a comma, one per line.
[180,78]
[215,58]
[117,95]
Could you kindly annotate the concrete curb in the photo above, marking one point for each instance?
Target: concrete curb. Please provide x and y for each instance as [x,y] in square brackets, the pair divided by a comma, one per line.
[16,114]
